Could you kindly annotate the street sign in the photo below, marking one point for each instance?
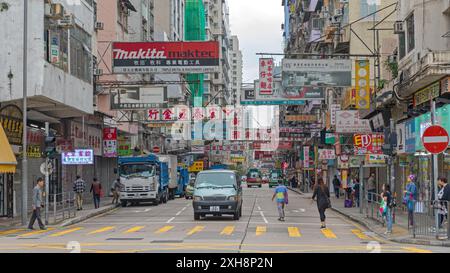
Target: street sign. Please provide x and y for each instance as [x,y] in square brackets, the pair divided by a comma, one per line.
[48,170]
[156,149]
[435,139]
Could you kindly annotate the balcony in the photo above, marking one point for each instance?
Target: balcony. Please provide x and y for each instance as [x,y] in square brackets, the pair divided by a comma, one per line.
[424,71]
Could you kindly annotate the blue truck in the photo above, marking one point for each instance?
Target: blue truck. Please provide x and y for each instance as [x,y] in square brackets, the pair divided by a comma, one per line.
[183,181]
[144,179]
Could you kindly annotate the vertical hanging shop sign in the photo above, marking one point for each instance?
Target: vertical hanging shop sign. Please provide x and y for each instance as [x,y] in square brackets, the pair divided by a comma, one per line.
[306,157]
[362,84]
[266,76]
[110,142]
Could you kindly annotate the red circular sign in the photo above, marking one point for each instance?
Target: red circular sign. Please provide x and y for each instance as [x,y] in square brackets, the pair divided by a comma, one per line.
[435,139]
[156,149]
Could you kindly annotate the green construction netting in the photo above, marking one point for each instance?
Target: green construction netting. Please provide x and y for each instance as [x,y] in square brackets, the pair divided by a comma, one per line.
[195,20]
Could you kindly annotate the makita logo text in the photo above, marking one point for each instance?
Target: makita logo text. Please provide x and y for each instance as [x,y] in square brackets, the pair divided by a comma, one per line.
[121,54]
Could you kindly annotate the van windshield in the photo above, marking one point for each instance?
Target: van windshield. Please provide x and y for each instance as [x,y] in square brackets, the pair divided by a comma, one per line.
[137,170]
[215,180]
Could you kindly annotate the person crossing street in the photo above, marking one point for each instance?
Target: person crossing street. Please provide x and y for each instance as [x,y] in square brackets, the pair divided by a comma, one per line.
[37,205]
[281,193]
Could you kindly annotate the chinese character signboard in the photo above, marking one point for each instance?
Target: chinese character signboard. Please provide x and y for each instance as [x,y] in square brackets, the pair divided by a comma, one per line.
[368,144]
[326,154]
[427,94]
[333,109]
[124,146]
[165,57]
[110,142]
[348,122]
[11,120]
[306,157]
[266,67]
[301,118]
[78,157]
[139,98]
[362,84]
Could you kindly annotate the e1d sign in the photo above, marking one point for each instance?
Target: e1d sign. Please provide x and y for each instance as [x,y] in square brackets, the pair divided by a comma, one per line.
[435,139]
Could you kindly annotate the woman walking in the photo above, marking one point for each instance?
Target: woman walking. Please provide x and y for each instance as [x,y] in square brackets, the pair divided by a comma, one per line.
[409,198]
[96,189]
[387,197]
[322,196]
[444,198]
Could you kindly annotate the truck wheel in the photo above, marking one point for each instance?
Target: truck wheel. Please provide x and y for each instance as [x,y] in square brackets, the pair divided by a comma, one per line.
[123,203]
[196,216]
[156,203]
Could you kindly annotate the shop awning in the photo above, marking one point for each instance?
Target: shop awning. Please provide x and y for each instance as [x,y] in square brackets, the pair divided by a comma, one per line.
[8,160]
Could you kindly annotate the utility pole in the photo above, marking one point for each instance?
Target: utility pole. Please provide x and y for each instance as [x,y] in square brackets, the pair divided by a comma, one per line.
[47,179]
[24,136]
[392,172]
[435,167]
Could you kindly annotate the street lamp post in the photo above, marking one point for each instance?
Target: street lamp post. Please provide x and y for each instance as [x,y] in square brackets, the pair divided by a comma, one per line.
[24,136]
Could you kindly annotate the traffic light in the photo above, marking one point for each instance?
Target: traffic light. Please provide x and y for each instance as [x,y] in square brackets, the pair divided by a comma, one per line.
[50,146]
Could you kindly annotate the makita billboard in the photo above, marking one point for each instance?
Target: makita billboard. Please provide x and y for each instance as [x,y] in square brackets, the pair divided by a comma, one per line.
[166,57]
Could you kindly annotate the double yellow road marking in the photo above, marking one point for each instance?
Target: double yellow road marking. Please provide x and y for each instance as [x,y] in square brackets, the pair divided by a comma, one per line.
[360,235]
[105,229]
[195,230]
[37,232]
[227,230]
[67,231]
[164,229]
[294,232]
[260,230]
[134,229]
[328,233]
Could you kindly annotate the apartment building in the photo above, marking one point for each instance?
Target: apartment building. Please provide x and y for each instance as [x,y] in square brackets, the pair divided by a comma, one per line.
[236,70]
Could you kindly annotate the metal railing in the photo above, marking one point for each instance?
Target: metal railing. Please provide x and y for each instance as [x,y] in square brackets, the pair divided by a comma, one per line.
[371,204]
[430,219]
[61,206]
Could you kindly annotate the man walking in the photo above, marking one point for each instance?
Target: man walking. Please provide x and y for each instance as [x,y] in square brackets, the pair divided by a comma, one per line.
[116,187]
[79,187]
[281,193]
[37,204]
[371,187]
[337,186]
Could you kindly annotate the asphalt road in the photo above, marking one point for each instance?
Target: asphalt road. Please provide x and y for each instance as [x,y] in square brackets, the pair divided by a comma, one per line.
[171,228]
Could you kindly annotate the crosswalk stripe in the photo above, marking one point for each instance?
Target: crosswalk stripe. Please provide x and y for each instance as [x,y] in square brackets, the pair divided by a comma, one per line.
[227,230]
[164,229]
[58,234]
[12,231]
[328,233]
[37,232]
[134,229]
[260,230]
[195,230]
[360,235]
[294,232]
[101,230]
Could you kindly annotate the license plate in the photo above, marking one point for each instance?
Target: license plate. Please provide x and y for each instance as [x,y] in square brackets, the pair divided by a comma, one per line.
[214,209]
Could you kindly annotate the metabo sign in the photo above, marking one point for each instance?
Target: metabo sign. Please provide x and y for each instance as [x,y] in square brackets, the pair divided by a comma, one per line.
[165,57]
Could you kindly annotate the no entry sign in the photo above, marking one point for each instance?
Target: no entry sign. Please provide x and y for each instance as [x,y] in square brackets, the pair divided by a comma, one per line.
[156,150]
[435,139]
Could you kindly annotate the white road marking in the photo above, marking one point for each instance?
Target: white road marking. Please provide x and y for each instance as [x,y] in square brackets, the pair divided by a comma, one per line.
[302,210]
[146,210]
[170,220]
[264,218]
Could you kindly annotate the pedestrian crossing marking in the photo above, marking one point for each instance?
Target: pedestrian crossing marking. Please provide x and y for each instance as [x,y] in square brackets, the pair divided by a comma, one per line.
[62,233]
[12,231]
[417,250]
[328,233]
[105,229]
[360,235]
[294,232]
[134,229]
[37,232]
[260,230]
[164,229]
[195,230]
[227,230]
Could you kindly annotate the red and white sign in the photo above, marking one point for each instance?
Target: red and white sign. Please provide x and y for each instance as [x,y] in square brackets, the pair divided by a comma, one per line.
[368,144]
[154,114]
[435,139]
[165,57]
[266,83]
[306,157]
[110,142]
[327,154]
[168,114]
[156,150]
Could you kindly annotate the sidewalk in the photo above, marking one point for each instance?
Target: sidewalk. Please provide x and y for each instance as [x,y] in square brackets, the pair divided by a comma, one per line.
[88,212]
[400,233]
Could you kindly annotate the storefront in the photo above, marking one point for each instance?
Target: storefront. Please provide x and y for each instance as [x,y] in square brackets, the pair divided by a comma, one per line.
[8,165]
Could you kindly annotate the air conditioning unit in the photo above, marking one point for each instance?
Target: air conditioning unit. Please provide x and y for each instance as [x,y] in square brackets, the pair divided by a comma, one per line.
[398,27]
[98,72]
[55,11]
[99,25]
[338,12]
[68,21]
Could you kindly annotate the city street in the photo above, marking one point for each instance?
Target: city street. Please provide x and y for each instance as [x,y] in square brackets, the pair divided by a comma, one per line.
[171,228]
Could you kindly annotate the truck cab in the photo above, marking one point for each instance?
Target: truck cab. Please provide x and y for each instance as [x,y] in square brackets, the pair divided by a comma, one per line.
[144,179]
[275,176]
[254,178]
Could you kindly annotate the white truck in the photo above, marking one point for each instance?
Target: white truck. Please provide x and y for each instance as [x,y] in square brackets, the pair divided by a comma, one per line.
[172,163]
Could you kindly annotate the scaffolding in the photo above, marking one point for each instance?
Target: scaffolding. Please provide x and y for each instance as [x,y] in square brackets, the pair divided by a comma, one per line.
[195,23]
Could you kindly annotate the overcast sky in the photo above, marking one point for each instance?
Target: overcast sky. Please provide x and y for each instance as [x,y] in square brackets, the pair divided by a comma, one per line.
[257,23]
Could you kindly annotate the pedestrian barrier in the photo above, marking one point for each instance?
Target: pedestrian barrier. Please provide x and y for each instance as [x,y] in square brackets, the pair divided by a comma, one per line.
[430,219]
[371,204]
[61,207]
